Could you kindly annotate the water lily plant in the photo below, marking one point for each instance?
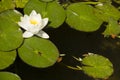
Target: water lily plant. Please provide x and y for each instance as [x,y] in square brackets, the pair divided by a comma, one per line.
[33,25]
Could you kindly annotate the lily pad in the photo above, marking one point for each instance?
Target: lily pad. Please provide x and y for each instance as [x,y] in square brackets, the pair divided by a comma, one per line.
[107,11]
[97,66]
[6,59]
[81,17]
[38,52]
[113,28]
[10,34]
[105,1]
[52,10]
[20,3]
[56,14]
[6,4]
[8,76]
[46,0]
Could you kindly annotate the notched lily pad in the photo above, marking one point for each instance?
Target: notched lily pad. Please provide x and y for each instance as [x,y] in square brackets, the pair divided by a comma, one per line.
[97,66]
[81,17]
[107,11]
[113,28]
[9,76]
[38,52]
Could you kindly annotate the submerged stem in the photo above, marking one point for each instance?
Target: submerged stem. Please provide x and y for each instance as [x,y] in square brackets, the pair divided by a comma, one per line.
[75,68]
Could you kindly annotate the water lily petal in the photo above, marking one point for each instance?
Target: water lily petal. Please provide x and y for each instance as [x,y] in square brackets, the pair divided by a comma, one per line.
[33,24]
[27,34]
[36,17]
[33,13]
[39,17]
[33,30]
[44,22]
[24,23]
[42,34]
[25,17]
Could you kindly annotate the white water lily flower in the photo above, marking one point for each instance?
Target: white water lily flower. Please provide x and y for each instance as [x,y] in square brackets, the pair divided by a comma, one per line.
[33,25]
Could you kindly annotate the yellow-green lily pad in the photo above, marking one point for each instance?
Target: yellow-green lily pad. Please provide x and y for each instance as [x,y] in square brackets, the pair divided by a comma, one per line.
[9,76]
[97,66]
[10,33]
[6,59]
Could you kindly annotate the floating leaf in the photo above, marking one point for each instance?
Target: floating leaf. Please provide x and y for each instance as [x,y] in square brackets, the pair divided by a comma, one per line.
[46,0]
[38,52]
[36,5]
[8,76]
[52,10]
[6,4]
[20,3]
[105,1]
[97,66]
[106,12]
[10,34]
[113,28]
[81,17]
[11,15]
[6,59]
[56,14]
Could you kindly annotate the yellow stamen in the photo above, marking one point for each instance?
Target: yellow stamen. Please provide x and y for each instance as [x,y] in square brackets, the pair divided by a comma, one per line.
[32,21]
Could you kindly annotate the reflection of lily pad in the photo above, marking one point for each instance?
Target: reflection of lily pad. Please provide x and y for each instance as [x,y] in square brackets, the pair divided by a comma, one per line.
[8,76]
[97,66]
[38,52]
[6,59]
[10,34]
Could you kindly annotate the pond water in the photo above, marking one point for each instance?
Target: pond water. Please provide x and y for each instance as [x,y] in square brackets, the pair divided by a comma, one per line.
[72,43]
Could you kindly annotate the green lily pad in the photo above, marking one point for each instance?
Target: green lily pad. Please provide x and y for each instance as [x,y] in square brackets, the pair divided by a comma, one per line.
[10,34]
[20,3]
[11,15]
[36,5]
[6,59]
[97,66]
[46,0]
[105,1]
[38,52]
[113,28]
[6,4]
[56,14]
[52,10]
[8,76]
[81,17]
[107,11]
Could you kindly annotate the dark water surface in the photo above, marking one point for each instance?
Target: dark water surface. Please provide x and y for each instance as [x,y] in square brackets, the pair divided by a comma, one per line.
[73,43]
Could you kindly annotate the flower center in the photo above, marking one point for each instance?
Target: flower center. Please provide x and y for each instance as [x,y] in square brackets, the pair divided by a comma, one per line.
[33,21]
